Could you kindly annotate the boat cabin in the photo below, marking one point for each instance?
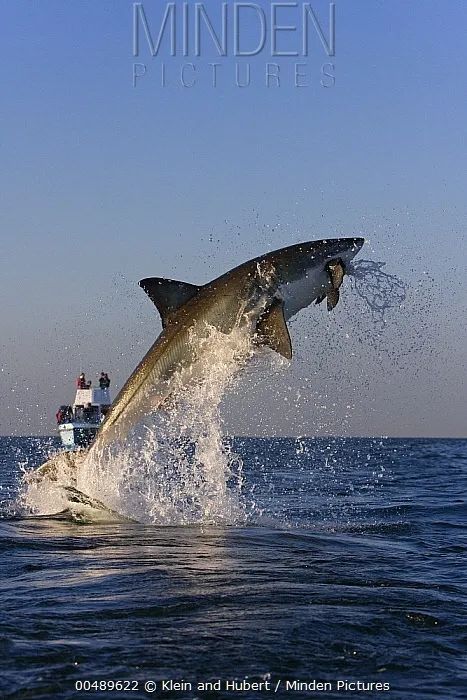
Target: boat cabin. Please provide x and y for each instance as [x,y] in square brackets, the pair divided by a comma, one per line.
[79,423]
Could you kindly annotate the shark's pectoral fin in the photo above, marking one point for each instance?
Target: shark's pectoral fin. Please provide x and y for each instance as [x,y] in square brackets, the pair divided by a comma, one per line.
[336,272]
[168,295]
[272,330]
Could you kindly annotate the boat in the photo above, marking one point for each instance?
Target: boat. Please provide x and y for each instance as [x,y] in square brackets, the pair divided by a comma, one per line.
[78,423]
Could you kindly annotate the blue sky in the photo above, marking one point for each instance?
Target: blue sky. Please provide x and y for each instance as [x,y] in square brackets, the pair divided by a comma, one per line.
[102,184]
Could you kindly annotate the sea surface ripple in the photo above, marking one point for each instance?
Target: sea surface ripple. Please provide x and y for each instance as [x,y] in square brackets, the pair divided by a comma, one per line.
[351,564]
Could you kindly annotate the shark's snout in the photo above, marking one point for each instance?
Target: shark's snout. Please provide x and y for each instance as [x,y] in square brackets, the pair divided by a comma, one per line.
[347,247]
[357,243]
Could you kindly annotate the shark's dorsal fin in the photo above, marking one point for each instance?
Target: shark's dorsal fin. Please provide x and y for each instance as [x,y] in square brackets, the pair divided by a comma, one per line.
[168,295]
[272,329]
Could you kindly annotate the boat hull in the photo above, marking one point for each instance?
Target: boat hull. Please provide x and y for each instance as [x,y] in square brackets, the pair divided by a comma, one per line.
[75,435]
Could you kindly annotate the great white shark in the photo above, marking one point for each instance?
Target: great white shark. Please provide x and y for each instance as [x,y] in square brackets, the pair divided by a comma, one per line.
[259,296]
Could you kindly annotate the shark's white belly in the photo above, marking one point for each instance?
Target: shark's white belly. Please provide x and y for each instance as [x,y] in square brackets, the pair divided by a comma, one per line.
[303,291]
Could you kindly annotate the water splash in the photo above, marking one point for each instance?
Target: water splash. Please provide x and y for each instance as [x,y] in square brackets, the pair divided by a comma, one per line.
[380,290]
[176,467]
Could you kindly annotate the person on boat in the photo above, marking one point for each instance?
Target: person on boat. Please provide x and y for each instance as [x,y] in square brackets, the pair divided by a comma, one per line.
[104,381]
[59,415]
[81,381]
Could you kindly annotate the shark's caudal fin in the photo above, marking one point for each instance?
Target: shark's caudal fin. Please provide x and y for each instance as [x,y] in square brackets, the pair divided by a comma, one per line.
[168,295]
[272,330]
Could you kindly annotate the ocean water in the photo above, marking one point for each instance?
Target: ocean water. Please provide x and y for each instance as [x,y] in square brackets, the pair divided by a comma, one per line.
[346,562]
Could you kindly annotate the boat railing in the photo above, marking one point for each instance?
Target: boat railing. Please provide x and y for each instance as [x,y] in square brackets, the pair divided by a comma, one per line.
[82,414]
